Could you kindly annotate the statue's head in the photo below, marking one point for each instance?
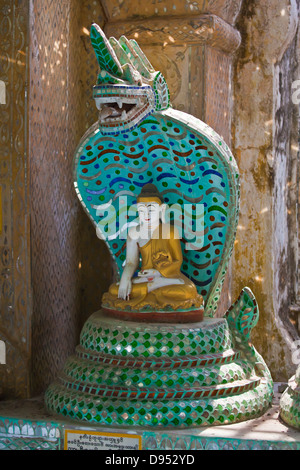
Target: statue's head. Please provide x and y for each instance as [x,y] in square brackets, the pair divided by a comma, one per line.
[151,206]
[128,88]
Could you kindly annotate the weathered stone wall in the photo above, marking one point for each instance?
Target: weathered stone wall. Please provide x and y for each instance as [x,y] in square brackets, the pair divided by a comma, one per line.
[264,142]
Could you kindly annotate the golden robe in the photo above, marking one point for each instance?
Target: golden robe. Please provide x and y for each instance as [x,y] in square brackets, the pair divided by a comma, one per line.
[164,255]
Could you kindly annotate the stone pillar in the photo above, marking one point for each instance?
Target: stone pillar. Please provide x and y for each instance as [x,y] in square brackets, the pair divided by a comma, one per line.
[192,44]
[15,272]
[49,281]
[65,262]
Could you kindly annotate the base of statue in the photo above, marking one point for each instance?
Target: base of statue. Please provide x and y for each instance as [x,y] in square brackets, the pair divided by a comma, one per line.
[127,373]
[26,425]
[178,316]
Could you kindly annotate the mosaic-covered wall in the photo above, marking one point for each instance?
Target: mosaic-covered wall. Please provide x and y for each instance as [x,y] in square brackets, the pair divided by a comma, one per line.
[63,243]
[47,292]
[15,273]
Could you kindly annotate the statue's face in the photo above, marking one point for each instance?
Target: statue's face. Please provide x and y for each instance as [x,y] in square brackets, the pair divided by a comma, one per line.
[149,213]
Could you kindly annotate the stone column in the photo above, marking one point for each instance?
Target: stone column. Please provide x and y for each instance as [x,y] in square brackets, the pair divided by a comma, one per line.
[15,272]
[192,44]
[67,259]
[49,280]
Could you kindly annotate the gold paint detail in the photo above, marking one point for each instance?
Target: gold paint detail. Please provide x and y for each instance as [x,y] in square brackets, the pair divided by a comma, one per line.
[165,256]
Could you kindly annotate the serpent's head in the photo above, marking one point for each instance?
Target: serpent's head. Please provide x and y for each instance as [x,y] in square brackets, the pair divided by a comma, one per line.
[128,88]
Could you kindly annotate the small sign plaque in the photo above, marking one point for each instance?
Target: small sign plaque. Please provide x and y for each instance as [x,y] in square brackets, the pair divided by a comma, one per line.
[90,440]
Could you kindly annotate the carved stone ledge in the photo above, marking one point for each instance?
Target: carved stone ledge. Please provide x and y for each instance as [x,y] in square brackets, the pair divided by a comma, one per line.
[205,29]
[117,10]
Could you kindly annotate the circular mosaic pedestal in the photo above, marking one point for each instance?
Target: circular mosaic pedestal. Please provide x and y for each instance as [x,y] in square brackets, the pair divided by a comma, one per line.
[290,402]
[181,316]
[128,373]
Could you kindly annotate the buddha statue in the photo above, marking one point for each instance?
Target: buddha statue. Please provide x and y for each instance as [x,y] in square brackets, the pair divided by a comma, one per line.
[159,285]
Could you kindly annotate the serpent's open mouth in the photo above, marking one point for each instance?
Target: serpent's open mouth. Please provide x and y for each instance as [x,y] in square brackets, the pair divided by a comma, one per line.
[112,109]
[122,107]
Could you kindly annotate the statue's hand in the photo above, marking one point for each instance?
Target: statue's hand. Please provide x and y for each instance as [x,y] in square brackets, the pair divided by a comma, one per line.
[124,289]
[149,272]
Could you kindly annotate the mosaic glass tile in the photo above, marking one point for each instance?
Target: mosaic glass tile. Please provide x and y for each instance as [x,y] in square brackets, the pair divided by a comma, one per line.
[163,384]
[290,402]
[26,425]
[186,159]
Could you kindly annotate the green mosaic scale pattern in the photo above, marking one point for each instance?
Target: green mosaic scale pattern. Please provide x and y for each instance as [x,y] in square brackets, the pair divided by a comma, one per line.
[129,373]
[24,425]
[140,340]
[190,164]
[104,52]
[158,412]
[88,373]
[161,441]
[290,402]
